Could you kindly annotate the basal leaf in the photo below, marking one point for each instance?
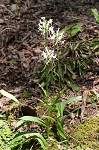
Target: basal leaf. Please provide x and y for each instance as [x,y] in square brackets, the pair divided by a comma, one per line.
[58,96]
[10,96]
[30,134]
[48,117]
[44,91]
[60,106]
[31,118]
[61,130]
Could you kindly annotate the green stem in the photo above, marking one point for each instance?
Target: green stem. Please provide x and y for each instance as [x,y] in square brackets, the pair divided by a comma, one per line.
[58,62]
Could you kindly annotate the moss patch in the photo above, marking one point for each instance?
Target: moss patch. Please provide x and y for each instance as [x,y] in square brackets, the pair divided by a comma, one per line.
[87,133]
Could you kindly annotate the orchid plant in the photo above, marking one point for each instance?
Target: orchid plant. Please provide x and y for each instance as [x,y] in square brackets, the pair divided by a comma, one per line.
[51,53]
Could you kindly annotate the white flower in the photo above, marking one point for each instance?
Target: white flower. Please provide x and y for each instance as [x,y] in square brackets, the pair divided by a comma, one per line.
[48,55]
[56,36]
[52,33]
[45,27]
[47,30]
[51,30]
[59,36]
[42,25]
[50,21]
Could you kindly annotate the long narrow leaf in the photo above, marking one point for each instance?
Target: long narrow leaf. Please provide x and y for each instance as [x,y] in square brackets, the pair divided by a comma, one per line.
[50,118]
[60,106]
[10,96]
[20,123]
[43,145]
[30,134]
[31,118]
[96,14]
[44,91]
[58,96]
[75,29]
[66,28]
[72,99]
[71,84]
[61,130]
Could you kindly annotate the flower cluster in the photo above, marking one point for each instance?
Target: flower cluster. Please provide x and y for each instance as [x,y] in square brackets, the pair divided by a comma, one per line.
[48,55]
[47,30]
[45,26]
[58,36]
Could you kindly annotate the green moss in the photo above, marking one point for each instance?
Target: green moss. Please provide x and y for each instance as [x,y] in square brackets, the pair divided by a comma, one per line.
[87,133]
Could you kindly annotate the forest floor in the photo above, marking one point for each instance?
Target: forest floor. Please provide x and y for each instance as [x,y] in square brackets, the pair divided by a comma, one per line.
[21,46]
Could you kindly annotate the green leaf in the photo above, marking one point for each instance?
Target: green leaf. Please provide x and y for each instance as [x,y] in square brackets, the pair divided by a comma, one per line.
[74,87]
[72,99]
[48,117]
[37,136]
[31,118]
[60,106]
[96,14]
[75,29]
[57,97]
[61,130]
[93,43]
[10,96]
[43,145]
[44,91]
[66,28]
[76,109]
[20,123]
[60,72]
